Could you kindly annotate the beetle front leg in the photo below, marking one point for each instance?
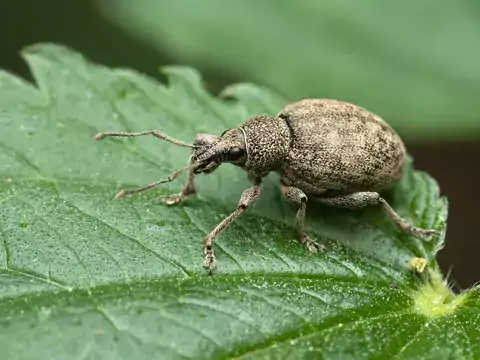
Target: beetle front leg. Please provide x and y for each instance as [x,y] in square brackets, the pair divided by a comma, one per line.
[298,197]
[189,187]
[248,197]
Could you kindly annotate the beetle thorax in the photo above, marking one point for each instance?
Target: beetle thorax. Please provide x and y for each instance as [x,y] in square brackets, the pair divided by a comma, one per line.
[267,141]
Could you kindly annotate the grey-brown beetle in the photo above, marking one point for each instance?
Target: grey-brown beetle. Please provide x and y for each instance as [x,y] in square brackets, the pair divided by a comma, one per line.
[331,151]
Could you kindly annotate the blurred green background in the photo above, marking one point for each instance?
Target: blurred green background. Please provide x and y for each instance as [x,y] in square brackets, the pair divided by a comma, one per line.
[416,64]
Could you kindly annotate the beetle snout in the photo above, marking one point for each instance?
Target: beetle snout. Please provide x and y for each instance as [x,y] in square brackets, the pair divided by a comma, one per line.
[207,166]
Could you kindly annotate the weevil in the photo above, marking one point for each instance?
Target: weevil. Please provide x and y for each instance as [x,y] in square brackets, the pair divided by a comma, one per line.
[326,150]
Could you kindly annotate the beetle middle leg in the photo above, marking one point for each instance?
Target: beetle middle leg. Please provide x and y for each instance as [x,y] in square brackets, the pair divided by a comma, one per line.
[189,188]
[248,197]
[361,199]
[298,197]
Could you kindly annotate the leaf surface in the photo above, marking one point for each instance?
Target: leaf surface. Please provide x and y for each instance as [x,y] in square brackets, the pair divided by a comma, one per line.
[83,275]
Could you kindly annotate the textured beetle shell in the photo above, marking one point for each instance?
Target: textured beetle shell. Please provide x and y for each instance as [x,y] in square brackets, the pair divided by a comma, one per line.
[340,148]
[267,141]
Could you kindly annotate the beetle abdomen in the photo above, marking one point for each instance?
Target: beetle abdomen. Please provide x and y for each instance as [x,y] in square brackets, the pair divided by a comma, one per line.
[340,146]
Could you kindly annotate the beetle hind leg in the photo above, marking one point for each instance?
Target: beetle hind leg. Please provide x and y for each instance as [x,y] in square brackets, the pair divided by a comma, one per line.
[299,198]
[361,199]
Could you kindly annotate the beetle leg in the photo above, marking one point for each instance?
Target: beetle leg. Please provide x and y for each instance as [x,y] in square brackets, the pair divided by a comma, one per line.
[362,199]
[298,197]
[189,187]
[248,197]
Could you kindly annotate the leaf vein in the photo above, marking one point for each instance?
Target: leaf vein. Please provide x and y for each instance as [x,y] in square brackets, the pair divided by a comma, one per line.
[412,339]
[60,237]
[282,307]
[113,322]
[315,331]
[136,241]
[31,275]
[23,160]
[211,307]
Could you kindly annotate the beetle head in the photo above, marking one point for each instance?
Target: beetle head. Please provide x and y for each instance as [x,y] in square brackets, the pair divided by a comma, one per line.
[259,146]
[228,148]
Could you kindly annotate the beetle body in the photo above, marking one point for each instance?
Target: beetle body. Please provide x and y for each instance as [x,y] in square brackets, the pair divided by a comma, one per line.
[334,152]
[325,147]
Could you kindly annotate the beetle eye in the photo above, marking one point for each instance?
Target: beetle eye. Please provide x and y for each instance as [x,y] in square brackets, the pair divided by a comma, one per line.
[235,153]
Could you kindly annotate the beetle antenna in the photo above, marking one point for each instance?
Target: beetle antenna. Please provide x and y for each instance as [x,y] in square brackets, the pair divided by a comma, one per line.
[156,133]
[171,177]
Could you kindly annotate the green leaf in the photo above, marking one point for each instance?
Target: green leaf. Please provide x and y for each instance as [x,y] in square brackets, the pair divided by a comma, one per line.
[83,275]
[414,64]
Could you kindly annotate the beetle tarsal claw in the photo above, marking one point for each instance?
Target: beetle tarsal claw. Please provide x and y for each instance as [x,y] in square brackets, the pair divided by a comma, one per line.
[172,199]
[425,234]
[209,263]
[312,245]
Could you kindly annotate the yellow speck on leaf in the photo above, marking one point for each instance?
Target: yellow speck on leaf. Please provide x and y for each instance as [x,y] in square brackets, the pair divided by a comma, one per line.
[418,264]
